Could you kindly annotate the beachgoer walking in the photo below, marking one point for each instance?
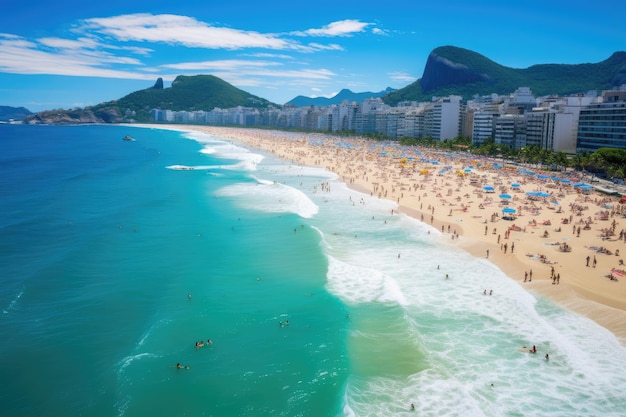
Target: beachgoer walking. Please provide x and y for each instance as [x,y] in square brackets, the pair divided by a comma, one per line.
[487,253]
[588,261]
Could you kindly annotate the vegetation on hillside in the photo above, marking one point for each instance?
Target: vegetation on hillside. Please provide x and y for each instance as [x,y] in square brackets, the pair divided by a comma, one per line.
[543,80]
[199,92]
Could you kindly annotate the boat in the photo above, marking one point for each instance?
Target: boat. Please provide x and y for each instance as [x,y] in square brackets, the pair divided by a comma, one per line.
[128,138]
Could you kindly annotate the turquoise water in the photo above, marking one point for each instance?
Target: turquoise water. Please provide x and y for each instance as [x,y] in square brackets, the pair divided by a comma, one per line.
[115,261]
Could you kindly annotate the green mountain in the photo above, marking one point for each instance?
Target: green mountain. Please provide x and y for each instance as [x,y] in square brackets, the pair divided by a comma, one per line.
[16,113]
[345,94]
[456,71]
[199,92]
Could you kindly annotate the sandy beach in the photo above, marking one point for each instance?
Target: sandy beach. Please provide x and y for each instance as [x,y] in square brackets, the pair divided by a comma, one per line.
[560,241]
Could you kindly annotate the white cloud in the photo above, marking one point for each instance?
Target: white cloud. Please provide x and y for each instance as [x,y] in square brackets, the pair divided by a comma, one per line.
[320,47]
[60,43]
[401,77]
[220,64]
[268,55]
[182,30]
[19,56]
[229,69]
[339,28]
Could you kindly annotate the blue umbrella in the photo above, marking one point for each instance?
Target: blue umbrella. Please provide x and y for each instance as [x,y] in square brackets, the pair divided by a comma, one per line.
[488,188]
[515,185]
[508,210]
[538,193]
[505,196]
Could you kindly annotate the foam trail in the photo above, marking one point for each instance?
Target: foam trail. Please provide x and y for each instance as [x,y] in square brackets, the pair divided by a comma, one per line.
[13,303]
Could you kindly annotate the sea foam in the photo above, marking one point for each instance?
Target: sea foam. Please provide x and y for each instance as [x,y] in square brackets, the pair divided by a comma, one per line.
[270,198]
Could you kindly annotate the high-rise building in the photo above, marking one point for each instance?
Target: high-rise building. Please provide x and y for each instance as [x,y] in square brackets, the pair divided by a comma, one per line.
[603,124]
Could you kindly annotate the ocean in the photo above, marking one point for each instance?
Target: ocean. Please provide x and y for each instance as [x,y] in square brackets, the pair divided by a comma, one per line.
[117,257]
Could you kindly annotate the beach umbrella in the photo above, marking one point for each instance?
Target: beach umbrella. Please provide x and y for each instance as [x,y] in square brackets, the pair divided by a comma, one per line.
[543,194]
[488,188]
[505,196]
[565,180]
[508,210]
[515,185]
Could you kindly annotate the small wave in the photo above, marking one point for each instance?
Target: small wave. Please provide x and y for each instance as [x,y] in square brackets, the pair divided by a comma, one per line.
[271,197]
[262,181]
[358,284]
[128,360]
[214,145]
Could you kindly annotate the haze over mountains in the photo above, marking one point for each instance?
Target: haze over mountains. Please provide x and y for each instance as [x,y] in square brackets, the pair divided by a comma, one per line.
[345,94]
[449,71]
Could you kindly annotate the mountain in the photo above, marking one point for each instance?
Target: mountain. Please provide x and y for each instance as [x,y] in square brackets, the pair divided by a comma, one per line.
[345,94]
[16,113]
[199,92]
[451,70]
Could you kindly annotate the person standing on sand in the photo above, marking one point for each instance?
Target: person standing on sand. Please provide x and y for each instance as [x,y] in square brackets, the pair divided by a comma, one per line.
[530,276]
[587,261]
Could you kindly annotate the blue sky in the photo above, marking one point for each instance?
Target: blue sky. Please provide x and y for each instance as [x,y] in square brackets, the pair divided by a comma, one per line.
[65,54]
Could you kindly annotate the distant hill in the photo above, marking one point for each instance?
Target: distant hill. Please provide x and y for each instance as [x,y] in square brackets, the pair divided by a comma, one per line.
[16,113]
[199,92]
[452,70]
[449,71]
[345,94]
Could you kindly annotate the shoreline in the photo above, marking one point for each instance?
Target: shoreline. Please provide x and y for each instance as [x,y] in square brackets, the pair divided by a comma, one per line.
[472,219]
